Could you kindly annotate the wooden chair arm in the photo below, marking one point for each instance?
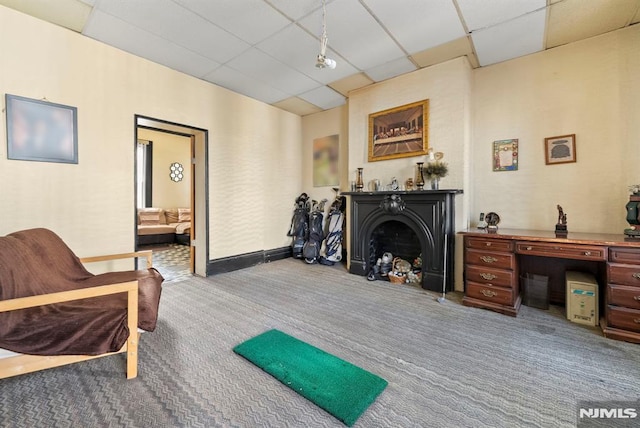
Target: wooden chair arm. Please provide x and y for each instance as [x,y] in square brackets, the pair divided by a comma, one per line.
[148,254]
[29,363]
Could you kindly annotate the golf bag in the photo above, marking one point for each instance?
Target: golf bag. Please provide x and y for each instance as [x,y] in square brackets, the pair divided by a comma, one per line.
[311,249]
[333,240]
[299,230]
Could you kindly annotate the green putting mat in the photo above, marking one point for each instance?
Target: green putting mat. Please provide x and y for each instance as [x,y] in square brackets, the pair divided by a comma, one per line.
[339,387]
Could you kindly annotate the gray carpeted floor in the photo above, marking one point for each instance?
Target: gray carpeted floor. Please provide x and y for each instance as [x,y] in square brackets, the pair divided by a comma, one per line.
[447,365]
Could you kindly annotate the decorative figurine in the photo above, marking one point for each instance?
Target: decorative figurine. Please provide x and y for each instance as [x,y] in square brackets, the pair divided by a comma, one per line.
[561,226]
[409,183]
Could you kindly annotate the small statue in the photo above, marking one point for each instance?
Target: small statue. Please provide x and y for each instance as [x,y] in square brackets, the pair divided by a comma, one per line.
[562,217]
[561,226]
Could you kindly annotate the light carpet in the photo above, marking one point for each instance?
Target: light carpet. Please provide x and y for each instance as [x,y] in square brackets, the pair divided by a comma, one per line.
[447,365]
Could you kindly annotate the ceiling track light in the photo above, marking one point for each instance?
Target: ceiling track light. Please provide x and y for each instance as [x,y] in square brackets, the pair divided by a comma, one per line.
[321,60]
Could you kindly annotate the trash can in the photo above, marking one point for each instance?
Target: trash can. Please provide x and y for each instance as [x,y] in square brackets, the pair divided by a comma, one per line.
[535,290]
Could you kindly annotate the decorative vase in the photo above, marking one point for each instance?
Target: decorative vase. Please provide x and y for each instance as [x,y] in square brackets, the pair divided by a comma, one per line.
[435,183]
[359,181]
[420,176]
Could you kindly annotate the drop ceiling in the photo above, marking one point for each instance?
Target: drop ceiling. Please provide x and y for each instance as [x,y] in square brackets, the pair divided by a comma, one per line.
[266,49]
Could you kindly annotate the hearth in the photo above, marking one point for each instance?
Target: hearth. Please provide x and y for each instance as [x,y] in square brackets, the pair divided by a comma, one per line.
[410,222]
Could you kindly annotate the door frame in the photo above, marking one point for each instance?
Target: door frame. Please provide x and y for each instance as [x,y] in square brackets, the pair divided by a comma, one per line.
[199,184]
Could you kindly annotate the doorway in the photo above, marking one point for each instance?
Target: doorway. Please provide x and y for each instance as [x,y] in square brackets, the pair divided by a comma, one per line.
[186,169]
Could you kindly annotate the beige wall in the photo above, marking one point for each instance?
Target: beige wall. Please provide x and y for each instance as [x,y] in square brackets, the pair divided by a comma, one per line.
[589,88]
[167,149]
[254,149]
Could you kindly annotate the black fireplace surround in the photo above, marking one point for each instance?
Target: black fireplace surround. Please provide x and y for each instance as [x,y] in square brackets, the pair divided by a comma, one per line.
[429,213]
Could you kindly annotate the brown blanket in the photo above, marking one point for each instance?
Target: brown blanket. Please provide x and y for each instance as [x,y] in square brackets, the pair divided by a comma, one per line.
[37,261]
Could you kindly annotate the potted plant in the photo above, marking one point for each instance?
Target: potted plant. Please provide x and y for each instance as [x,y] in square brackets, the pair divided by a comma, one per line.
[434,171]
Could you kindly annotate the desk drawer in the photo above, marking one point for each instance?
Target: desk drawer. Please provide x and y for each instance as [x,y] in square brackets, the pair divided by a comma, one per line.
[487,258]
[489,244]
[489,276]
[624,255]
[563,251]
[623,295]
[623,318]
[502,296]
[624,274]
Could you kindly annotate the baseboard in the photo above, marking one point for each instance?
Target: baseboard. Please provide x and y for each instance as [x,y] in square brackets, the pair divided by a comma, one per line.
[242,261]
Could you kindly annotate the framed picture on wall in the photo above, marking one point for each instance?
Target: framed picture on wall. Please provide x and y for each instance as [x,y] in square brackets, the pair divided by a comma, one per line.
[325,161]
[561,149]
[399,132]
[39,130]
[505,155]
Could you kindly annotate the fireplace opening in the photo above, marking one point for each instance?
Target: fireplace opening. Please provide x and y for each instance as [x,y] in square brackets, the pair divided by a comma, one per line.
[395,241]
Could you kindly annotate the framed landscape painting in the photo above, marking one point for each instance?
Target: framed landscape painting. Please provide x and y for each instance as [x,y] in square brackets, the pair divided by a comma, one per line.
[399,132]
[41,131]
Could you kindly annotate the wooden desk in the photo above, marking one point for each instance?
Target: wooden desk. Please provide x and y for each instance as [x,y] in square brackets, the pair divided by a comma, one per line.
[494,261]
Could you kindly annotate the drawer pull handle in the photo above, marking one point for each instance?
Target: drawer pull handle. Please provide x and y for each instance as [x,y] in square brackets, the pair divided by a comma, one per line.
[529,248]
[636,320]
[636,275]
[488,276]
[636,298]
[488,259]
[489,293]
[488,244]
[587,253]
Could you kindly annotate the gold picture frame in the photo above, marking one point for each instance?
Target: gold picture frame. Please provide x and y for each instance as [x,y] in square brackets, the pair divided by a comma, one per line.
[399,132]
[560,149]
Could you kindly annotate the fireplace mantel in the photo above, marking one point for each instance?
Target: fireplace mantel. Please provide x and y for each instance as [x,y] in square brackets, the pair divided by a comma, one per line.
[429,213]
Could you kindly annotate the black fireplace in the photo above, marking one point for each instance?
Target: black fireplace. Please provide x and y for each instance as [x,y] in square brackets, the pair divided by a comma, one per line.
[410,222]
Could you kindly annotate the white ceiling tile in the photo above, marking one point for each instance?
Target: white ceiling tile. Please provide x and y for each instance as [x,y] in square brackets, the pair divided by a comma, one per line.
[323,97]
[391,69]
[296,9]
[178,25]
[480,14]
[250,20]
[272,59]
[120,34]
[296,47]
[260,66]
[511,39]
[354,34]
[419,24]
[238,82]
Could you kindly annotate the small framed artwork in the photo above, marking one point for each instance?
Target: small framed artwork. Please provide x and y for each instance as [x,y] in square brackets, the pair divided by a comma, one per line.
[38,130]
[399,132]
[505,155]
[561,149]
